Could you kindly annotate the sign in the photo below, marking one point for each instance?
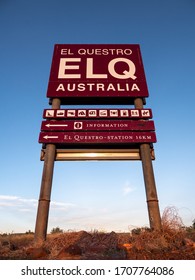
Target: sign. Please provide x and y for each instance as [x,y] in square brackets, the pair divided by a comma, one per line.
[97,137]
[91,71]
[96,74]
[97,125]
[97,113]
[97,154]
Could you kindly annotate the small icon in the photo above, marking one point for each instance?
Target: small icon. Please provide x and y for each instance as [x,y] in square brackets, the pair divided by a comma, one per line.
[92,113]
[145,113]
[113,113]
[78,125]
[71,113]
[124,113]
[60,113]
[81,113]
[134,113]
[103,113]
[49,113]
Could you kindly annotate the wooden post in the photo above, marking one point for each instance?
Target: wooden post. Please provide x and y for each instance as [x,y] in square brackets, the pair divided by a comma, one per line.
[150,186]
[46,185]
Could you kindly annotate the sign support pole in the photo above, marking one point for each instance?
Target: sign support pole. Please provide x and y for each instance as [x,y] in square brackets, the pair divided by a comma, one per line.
[150,186]
[46,185]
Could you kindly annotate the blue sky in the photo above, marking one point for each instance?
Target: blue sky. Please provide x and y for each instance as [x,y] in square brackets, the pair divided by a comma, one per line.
[95,195]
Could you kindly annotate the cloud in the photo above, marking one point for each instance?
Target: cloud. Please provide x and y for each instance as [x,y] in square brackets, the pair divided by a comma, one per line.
[29,204]
[19,213]
[17,203]
[26,210]
[127,189]
[8,197]
[62,206]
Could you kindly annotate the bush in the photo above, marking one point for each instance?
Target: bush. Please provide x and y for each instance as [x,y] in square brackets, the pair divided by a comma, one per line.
[56,230]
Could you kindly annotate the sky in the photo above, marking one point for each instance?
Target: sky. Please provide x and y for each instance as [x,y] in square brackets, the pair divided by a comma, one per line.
[88,195]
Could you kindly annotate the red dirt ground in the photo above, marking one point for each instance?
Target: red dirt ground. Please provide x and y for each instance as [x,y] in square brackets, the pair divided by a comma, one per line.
[82,245]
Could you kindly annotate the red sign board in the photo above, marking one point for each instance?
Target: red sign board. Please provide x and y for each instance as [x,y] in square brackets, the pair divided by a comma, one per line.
[97,137]
[97,113]
[94,70]
[97,125]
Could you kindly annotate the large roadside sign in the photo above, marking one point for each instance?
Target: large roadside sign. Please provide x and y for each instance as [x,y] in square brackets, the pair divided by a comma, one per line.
[96,75]
[97,71]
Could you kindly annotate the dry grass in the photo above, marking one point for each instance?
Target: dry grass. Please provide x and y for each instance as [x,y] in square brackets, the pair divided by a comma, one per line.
[171,243]
[13,246]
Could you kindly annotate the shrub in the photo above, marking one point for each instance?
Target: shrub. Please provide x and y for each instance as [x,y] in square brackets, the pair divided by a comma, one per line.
[56,230]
